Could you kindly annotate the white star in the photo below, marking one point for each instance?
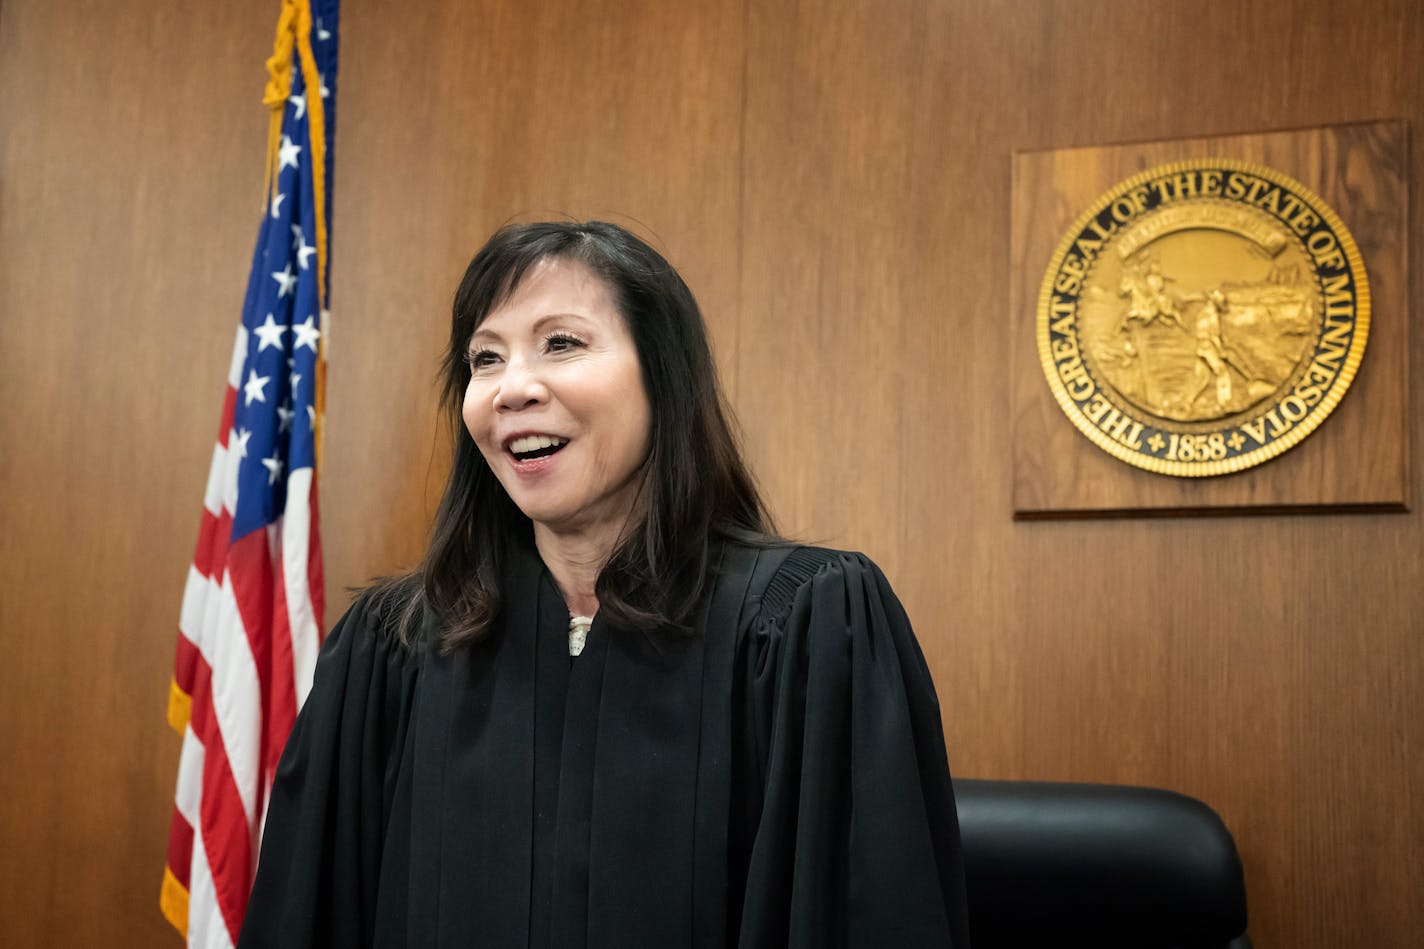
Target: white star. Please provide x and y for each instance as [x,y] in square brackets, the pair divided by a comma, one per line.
[307,335]
[311,416]
[286,281]
[273,466]
[300,101]
[239,444]
[324,91]
[284,417]
[269,334]
[322,33]
[287,153]
[304,251]
[295,379]
[252,388]
[276,203]
[296,234]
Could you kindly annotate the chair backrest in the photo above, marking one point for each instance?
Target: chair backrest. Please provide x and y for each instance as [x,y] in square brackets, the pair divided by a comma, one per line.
[1049,864]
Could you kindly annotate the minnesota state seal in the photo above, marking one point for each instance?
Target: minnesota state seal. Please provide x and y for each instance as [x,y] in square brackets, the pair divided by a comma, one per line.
[1203,317]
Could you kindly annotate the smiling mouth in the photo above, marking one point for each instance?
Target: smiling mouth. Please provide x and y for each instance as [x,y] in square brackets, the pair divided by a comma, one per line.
[531,447]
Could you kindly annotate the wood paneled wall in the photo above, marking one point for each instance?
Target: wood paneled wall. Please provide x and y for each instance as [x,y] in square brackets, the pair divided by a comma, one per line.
[833,179]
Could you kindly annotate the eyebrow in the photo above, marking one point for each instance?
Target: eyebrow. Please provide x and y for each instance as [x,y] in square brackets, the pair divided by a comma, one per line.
[536,329]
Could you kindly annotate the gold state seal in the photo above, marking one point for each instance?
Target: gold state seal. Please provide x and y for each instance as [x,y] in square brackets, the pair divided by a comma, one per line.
[1203,317]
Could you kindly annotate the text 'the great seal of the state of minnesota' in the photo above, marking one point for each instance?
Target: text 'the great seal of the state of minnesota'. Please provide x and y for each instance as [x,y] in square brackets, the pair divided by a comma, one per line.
[1202,317]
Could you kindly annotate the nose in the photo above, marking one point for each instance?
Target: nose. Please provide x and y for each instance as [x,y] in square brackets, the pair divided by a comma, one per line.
[519,387]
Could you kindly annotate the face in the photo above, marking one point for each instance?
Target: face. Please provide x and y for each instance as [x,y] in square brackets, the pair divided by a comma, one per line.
[556,401]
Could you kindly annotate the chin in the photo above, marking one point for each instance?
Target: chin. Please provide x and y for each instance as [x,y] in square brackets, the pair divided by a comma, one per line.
[552,516]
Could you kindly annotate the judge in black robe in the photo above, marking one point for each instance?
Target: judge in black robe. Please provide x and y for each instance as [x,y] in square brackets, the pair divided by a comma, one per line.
[778,780]
[766,771]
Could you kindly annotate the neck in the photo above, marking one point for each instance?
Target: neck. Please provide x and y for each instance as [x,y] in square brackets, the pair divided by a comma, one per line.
[575,561]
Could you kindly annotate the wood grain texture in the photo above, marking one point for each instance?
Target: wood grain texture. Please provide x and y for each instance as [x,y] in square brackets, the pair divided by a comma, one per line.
[1357,459]
[834,179]
[1269,665]
[130,198]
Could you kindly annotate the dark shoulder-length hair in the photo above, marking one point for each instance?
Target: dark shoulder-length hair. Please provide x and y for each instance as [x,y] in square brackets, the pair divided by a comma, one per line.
[695,486]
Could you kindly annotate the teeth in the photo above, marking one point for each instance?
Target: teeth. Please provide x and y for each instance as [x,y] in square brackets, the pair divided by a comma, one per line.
[534,442]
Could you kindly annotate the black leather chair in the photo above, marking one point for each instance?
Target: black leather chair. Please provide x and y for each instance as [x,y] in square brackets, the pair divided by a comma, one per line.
[1092,865]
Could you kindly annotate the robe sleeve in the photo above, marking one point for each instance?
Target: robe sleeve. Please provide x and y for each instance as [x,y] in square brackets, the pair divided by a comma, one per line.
[331,798]
[849,831]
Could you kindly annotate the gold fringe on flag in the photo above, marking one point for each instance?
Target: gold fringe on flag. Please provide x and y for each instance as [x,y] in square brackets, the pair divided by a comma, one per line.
[180,707]
[173,900]
[279,87]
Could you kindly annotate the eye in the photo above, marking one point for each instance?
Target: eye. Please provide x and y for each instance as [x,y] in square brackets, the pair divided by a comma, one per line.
[481,359]
[562,343]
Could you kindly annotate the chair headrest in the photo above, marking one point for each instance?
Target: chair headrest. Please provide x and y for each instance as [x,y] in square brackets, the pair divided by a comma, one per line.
[1097,865]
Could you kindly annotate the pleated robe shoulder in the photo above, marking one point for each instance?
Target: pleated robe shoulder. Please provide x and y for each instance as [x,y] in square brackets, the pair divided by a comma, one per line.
[778,779]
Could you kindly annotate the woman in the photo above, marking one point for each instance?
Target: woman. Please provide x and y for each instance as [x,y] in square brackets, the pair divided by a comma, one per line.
[611,709]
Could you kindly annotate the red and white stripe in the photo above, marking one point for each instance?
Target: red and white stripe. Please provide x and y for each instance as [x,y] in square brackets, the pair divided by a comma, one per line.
[248,638]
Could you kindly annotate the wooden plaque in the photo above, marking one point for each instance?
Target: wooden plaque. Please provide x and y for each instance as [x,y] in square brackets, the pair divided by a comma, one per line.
[1357,458]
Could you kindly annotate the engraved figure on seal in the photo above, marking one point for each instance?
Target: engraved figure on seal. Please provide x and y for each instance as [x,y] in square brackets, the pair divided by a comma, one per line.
[1200,323]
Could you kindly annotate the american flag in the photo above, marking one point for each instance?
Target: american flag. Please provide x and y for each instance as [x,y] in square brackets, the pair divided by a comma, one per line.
[250,624]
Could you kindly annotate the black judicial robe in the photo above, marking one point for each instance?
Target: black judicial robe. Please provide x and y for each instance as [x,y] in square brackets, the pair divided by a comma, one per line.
[778,780]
